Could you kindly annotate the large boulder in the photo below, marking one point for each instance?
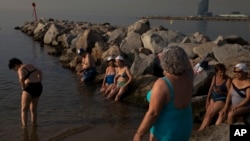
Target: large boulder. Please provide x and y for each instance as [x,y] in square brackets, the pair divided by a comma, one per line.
[141,26]
[142,64]
[157,40]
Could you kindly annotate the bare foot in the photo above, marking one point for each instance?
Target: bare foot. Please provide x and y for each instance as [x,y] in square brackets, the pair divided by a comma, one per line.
[23,126]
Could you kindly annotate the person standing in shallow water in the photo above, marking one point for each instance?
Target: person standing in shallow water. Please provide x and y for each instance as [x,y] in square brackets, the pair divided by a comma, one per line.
[169,116]
[30,79]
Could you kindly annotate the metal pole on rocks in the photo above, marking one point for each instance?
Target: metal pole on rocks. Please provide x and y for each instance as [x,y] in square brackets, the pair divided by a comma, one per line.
[34,9]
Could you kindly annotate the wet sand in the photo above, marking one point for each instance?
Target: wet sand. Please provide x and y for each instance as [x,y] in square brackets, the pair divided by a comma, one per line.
[104,132]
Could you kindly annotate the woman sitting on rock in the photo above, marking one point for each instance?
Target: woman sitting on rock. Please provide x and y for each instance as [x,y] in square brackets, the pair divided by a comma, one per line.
[108,80]
[238,100]
[217,94]
[122,79]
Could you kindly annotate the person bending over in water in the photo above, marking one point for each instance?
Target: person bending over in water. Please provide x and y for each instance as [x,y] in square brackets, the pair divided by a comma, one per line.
[122,79]
[30,79]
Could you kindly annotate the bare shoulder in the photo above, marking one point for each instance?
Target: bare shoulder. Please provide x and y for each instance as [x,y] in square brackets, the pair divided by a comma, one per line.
[159,83]
[248,82]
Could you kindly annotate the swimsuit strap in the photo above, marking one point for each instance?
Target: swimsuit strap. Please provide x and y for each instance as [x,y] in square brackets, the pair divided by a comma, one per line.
[29,73]
[221,83]
[238,91]
[169,86]
[215,80]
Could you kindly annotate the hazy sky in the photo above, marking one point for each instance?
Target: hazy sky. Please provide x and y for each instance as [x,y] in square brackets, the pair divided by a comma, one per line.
[131,7]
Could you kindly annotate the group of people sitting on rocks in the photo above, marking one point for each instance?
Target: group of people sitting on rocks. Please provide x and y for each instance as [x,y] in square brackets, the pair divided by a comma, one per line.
[117,78]
[228,98]
[117,75]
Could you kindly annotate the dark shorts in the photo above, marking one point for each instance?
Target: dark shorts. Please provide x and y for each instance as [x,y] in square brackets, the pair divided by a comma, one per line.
[89,74]
[34,89]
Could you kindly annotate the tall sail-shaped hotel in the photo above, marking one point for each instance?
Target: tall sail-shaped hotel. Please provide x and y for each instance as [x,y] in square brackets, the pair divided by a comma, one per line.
[202,7]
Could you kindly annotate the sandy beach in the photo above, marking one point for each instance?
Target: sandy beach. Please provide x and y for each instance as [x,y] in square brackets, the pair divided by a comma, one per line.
[104,132]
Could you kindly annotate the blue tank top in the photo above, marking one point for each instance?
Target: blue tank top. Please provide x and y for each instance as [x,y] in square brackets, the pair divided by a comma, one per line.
[172,124]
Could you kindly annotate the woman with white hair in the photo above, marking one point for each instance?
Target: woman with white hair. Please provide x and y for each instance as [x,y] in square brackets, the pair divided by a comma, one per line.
[238,99]
[169,116]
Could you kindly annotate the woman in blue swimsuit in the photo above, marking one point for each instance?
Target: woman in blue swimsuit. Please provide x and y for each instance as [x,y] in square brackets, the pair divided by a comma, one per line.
[217,94]
[108,80]
[169,116]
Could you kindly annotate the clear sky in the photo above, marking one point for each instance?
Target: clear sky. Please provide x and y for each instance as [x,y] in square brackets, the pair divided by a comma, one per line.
[129,7]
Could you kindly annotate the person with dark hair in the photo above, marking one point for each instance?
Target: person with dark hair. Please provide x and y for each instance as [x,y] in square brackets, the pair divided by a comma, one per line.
[238,99]
[30,79]
[169,115]
[217,94]
[88,70]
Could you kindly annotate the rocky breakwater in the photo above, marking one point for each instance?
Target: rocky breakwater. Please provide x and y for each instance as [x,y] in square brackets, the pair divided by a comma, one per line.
[139,43]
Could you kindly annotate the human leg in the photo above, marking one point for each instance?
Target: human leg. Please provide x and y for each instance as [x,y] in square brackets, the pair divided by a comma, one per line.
[25,103]
[33,111]
[113,92]
[152,138]
[103,88]
[221,118]
[109,88]
[213,109]
[120,93]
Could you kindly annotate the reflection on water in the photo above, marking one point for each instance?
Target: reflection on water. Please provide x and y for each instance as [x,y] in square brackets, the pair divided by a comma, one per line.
[65,105]
[30,135]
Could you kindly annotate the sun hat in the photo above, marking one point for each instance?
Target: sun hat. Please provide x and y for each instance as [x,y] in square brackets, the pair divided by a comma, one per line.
[119,57]
[80,51]
[241,66]
[110,58]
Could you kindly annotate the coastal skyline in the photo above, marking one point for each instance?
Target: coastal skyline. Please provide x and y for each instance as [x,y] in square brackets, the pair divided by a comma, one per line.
[128,7]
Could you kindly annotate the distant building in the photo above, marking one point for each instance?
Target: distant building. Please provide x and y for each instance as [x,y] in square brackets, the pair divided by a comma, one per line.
[233,15]
[202,7]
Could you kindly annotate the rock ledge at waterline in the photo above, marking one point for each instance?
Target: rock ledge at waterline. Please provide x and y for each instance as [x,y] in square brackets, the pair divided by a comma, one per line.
[139,43]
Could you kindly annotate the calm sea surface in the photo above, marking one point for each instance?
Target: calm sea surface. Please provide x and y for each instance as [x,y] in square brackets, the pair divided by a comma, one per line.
[66,105]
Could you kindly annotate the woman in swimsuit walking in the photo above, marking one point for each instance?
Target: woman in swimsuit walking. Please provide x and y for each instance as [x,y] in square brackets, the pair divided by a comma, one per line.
[238,99]
[169,115]
[30,79]
[122,79]
[217,94]
[108,80]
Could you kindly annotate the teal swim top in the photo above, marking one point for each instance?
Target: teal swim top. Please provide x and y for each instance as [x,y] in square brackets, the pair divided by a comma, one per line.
[172,124]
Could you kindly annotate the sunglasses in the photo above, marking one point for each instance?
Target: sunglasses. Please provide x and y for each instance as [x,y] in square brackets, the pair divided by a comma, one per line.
[238,71]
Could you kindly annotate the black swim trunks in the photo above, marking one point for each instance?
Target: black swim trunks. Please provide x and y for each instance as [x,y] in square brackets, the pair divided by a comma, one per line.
[34,89]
